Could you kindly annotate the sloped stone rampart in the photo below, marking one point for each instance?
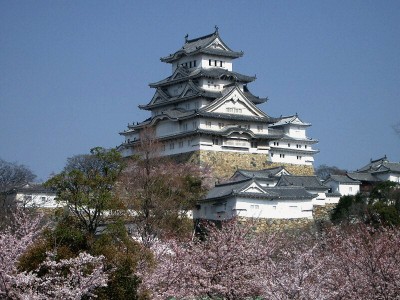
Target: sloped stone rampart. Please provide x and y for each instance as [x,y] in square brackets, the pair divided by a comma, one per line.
[323,212]
[271,225]
[224,164]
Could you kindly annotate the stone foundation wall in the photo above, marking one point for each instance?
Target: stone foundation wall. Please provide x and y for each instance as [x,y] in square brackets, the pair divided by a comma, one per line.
[224,164]
[265,225]
[323,212]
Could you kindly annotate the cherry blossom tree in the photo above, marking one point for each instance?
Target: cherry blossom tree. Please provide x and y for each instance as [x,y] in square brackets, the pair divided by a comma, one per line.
[365,262]
[227,265]
[160,199]
[15,238]
[297,271]
[63,279]
[159,192]
[235,262]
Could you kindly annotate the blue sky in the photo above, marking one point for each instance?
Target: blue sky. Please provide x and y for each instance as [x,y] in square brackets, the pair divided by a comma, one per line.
[72,73]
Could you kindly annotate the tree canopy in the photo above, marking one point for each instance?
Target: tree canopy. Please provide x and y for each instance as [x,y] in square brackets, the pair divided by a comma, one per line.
[380,207]
[323,171]
[86,186]
[12,175]
[159,192]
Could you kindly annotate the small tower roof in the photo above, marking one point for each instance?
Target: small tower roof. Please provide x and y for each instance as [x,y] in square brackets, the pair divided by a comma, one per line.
[208,44]
[294,120]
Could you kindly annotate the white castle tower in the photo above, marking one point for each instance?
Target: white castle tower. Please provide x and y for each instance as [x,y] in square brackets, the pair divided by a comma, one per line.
[206,110]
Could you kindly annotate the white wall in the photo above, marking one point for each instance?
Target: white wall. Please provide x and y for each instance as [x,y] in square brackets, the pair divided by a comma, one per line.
[320,199]
[166,127]
[37,199]
[343,189]
[297,131]
[349,189]
[394,178]
[332,199]
[292,158]
[388,176]
[226,62]
[256,208]
[285,209]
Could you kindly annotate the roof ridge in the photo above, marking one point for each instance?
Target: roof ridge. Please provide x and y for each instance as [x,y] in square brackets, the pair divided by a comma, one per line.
[233,182]
[201,37]
[384,158]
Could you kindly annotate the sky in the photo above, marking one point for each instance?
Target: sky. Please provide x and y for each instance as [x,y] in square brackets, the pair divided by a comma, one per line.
[72,73]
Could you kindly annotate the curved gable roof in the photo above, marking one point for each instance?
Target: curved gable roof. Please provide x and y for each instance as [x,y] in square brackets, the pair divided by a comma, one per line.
[210,44]
[262,174]
[238,188]
[234,93]
[293,120]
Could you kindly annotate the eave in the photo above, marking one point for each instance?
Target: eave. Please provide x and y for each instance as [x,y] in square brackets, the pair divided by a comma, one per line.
[215,73]
[293,150]
[181,53]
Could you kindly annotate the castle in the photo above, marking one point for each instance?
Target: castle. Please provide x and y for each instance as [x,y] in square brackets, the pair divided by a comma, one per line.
[204,112]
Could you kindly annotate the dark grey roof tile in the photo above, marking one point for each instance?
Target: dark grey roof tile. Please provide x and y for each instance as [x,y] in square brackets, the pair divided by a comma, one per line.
[308,182]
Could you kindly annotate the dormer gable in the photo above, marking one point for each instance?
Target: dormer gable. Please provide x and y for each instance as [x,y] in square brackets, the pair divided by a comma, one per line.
[190,89]
[253,188]
[217,44]
[180,74]
[159,97]
[282,172]
[234,102]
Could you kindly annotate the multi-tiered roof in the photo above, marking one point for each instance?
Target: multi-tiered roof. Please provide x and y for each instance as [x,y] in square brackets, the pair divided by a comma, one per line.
[205,105]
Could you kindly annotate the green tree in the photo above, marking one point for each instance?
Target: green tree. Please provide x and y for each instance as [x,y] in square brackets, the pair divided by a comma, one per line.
[380,207]
[12,175]
[94,222]
[384,204]
[86,186]
[122,254]
[350,209]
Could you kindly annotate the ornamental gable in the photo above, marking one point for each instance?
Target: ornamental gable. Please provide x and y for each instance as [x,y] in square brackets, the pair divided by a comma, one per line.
[178,74]
[189,90]
[218,45]
[234,103]
[158,98]
[254,188]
